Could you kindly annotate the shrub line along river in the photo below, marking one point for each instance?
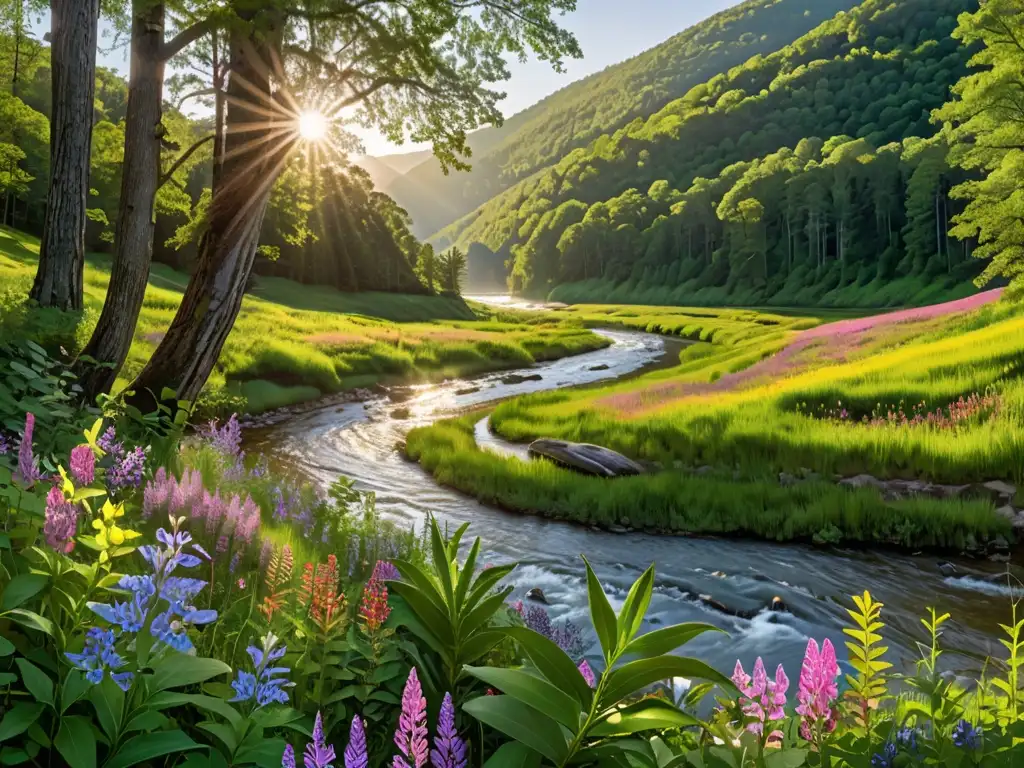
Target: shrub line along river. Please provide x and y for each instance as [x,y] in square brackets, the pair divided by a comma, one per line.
[360,440]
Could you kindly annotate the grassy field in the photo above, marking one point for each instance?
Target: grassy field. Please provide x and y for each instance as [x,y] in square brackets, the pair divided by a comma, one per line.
[935,396]
[293,343]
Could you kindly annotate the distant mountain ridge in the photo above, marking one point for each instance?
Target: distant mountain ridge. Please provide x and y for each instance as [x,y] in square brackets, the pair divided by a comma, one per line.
[572,117]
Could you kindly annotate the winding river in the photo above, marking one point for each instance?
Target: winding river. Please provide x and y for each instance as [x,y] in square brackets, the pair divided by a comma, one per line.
[359,440]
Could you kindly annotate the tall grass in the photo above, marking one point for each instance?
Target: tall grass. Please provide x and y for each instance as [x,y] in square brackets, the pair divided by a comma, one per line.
[681,502]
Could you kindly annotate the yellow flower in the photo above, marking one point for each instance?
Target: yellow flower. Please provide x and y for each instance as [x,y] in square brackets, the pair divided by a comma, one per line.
[108,533]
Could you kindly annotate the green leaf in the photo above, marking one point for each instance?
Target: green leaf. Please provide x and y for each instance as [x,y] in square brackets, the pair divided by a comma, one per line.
[635,606]
[483,613]
[37,682]
[785,758]
[147,720]
[601,614]
[199,701]
[535,691]
[76,742]
[30,619]
[466,575]
[442,565]
[522,723]
[645,715]
[552,662]
[6,646]
[21,588]
[266,753]
[75,686]
[480,644]
[6,678]
[108,701]
[438,623]
[146,746]
[178,670]
[637,675]
[662,641]
[416,577]
[223,733]
[512,754]
[18,718]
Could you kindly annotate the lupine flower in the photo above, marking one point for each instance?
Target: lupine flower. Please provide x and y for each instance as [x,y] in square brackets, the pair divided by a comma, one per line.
[107,441]
[884,758]
[83,464]
[588,673]
[127,469]
[761,698]
[99,656]
[385,571]
[966,736]
[288,758]
[375,609]
[61,521]
[449,750]
[355,752]
[411,735]
[817,689]
[318,754]
[537,619]
[227,438]
[5,446]
[235,560]
[569,637]
[28,467]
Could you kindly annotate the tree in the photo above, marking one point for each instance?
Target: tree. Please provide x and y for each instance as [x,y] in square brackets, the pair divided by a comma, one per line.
[423,64]
[73,39]
[425,265]
[451,268]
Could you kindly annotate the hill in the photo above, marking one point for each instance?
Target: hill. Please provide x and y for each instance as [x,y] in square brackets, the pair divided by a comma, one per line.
[576,115]
[812,175]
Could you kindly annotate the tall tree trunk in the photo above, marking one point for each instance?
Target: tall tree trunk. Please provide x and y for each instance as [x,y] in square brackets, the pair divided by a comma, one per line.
[213,298]
[74,25]
[133,234]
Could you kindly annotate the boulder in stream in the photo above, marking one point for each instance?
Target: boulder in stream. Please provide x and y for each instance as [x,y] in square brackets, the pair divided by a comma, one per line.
[518,378]
[586,458]
[537,595]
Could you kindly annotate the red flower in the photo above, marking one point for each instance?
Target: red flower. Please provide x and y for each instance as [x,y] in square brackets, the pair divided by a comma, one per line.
[375,608]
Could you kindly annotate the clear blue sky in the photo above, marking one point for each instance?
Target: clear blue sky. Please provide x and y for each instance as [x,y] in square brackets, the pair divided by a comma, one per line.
[608,30]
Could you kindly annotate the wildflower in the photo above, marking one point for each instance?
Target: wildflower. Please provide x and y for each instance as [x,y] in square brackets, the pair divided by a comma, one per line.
[107,441]
[966,736]
[318,754]
[355,752]
[385,571]
[537,619]
[99,656]
[449,750]
[227,439]
[241,583]
[411,735]
[108,532]
[235,560]
[83,464]
[588,673]
[569,637]
[327,605]
[266,551]
[5,446]
[288,758]
[127,469]
[375,609]
[884,759]
[817,689]
[28,467]
[61,521]
[222,545]
[761,698]
[280,508]
[266,685]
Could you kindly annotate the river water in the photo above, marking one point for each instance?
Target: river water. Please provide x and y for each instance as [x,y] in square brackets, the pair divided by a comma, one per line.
[359,440]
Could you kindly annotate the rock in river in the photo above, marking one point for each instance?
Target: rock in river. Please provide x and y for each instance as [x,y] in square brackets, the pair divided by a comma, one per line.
[537,594]
[517,378]
[586,458]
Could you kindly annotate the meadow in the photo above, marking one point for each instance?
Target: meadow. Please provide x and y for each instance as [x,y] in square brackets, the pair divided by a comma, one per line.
[294,343]
[934,396]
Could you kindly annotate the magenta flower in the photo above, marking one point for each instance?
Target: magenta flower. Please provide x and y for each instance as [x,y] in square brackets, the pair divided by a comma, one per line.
[28,470]
[817,689]
[61,521]
[762,698]
[355,752]
[588,673]
[83,464]
[411,735]
[318,754]
[449,750]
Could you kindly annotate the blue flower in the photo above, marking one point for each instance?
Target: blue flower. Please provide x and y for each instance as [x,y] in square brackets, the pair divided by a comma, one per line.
[168,630]
[272,692]
[244,685]
[966,735]
[885,758]
[123,680]
[266,685]
[907,737]
[98,656]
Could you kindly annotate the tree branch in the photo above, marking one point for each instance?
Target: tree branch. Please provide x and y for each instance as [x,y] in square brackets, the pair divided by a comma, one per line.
[181,160]
[194,94]
[185,38]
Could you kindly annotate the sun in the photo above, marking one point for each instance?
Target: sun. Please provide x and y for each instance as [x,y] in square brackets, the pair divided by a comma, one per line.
[312,125]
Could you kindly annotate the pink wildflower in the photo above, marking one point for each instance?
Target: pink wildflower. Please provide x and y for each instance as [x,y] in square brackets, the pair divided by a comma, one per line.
[817,689]
[761,698]
[411,735]
[83,464]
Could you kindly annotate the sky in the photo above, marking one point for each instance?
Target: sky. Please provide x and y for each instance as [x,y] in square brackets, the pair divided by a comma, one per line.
[609,31]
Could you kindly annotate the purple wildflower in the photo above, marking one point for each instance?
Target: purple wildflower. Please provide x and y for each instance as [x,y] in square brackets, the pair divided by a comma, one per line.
[222,545]
[761,699]
[235,559]
[288,758]
[83,464]
[355,752]
[127,469]
[61,521]
[537,619]
[227,438]
[385,571]
[5,446]
[588,673]
[411,735]
[318,754]
[28,468]
[449,750]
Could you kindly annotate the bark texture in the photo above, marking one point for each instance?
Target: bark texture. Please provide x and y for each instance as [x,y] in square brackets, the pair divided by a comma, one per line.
[133,234]
[248,168]
[74,26]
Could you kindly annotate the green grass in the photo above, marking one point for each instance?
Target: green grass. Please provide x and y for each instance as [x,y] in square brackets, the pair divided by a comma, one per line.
[295,342]
[681,502]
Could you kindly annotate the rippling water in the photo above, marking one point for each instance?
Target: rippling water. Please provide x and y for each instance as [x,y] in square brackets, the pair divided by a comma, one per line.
[359,440]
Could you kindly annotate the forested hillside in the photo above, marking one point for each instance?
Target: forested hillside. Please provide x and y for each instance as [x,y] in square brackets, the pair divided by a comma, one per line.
[813,175]
[371,245]
[574,116]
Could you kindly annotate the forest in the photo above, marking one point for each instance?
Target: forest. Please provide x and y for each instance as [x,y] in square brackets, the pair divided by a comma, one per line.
[813,176]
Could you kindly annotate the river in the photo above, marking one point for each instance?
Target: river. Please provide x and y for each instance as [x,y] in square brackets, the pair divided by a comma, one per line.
[359,440]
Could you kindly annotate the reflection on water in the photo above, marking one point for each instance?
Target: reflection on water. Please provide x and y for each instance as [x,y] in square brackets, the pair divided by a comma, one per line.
[359,440]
